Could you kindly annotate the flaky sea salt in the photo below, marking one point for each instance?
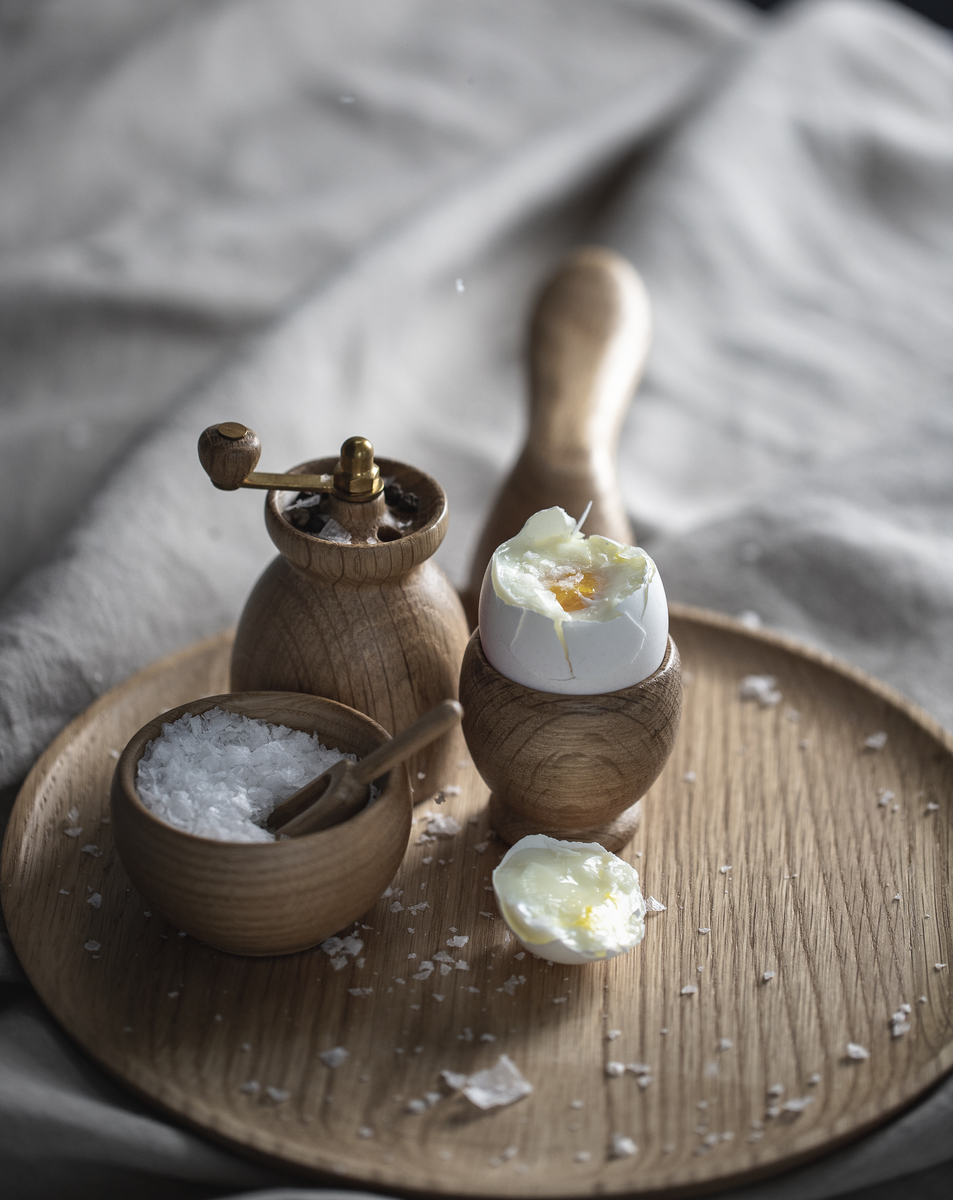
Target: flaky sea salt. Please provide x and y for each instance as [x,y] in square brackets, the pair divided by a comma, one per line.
[333,1058]
[760,688]
[622,1146]
[218,775]
[857,1052]
[496,1086]
[653,906]
[876,741]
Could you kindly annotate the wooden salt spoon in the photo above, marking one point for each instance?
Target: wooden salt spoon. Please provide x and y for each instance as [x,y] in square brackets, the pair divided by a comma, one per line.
[588,341]
[343,790]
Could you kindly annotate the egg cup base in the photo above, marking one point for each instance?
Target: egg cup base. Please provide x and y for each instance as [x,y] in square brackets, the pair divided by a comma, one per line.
[611,835]
[572,767]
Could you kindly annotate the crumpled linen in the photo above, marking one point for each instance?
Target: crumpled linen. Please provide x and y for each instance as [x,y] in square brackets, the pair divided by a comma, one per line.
[260,211]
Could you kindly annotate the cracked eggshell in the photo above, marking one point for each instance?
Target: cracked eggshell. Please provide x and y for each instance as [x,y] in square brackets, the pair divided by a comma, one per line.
[603,656]
[531,916]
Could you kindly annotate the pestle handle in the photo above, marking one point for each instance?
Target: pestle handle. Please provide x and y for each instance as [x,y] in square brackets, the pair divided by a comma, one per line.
[588,343]
[342,791]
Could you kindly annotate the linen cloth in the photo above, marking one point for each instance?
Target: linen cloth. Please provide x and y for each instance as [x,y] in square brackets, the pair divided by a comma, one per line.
[328,217]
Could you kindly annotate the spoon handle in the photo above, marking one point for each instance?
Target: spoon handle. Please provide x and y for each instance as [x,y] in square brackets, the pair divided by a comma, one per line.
[424,730]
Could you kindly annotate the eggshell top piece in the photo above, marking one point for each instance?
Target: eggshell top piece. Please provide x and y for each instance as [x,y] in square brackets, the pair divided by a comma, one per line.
[615,638]
[571,902]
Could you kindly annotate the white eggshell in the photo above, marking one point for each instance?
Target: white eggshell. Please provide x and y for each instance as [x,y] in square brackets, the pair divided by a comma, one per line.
[603,656]
[558,948]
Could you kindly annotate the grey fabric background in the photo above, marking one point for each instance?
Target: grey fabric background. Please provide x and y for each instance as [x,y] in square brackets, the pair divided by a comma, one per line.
[259,210]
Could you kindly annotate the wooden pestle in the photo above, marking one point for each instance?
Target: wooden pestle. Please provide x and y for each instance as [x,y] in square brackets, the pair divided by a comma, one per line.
[588,342]
[343,790]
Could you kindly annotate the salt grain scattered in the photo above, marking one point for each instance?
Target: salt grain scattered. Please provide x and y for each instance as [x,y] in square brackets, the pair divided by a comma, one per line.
[74,833]
[365,1131]
[776,1089]
[582,1156]
[814,1079]
[876,741]
[654,906]
[939,966]
[494,1087]
[613,1034]
[689,777]
[615,1069]
[689,990]
[334,1058]
[92,947]
[797,1105]
[768,976]
[857,1052]
[622,1146]
[725,1043]
[439,825]
[458,941]
[251,1087]
[761,688]
[277,1095]
[706,929]
[95,900]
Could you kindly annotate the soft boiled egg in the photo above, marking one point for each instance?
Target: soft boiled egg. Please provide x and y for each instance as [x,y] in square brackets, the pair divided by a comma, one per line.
[569,902]
[562,612]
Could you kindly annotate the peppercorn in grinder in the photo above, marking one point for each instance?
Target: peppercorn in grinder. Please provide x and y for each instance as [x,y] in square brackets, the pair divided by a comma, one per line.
[353,608]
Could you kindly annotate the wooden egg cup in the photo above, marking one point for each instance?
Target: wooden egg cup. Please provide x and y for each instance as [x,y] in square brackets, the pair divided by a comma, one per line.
[264,898]
[375,624]
[572,767]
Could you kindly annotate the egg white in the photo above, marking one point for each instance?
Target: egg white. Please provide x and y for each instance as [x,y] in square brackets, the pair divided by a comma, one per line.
[613,643]
[569,902]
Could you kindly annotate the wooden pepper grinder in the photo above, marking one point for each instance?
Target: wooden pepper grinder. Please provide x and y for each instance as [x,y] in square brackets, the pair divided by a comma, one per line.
[353,608]
[572,766]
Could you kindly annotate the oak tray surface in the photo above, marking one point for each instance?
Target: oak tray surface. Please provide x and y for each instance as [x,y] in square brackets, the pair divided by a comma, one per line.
[768,838]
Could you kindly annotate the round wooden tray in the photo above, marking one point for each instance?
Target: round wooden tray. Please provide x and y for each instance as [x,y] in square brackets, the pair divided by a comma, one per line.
[767,830]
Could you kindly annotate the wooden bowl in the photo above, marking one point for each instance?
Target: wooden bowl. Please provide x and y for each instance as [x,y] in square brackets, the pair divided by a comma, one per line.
[264,898]
[573,767]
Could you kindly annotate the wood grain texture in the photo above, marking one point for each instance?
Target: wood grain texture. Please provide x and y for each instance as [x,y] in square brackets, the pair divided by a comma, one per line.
[376,627]
[264,898]
[588,341]
[573,767]
[227,460]
[814,864]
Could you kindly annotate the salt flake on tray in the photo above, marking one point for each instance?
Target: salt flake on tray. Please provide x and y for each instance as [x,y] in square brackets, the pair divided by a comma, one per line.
[622,1146]
[653,906]
[797,1105]
[876,741]
[688,990]
[761,688]
[74,833]
[494,1087]
[857,1052]
[95,900]
[334,1058]
[439,825]
[461,939]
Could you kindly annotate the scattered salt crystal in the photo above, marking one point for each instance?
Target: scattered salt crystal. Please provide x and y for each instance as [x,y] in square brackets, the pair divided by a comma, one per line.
[220,775]
[560,1000]
[876,741]
[512,984]
[453,790]
[416,908]
[613,1034]
[440,825]
[654,906]
[277,1095]
[417,1106]
[172,995]
[689,990]
[421,774]
[360,991]
[776,1089]
[333,1058]
[898,896]
[705,929]
[64,892]
[480,847]
[814,1079]
[426,970]
[95,900]
[461,965]
[689,777]
[768,976]
[798,1105]
[723,870]
[461,939]
[365,1131]
[519,957]
[92,946]
[443,957]
[387,892]
[454,1080]
[487,1037]
[74,833]
[932,806]
[438,996]
[761,688]
[92,850]
[857,1052]
[250,1087]
[725,1044]
[938,966]
[496,1086]
[73,815]
[615,1069]
[622,1147]
[396,907]
[582,1156]
[638,1068]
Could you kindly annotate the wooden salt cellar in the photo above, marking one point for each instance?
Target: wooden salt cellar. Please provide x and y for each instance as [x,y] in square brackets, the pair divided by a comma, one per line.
[374,624]
[573,767]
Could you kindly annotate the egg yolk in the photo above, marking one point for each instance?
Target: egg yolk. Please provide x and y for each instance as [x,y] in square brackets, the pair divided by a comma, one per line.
[575,590]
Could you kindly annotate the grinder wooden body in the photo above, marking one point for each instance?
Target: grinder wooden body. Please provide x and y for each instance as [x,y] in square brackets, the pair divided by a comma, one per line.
[374,624]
